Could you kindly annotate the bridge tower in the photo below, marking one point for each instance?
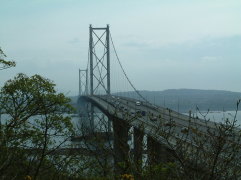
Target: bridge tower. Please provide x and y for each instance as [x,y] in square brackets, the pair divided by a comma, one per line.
[83,82]
[99,61]
[99,69]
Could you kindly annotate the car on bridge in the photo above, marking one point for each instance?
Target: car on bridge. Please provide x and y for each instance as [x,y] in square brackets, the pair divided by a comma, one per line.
[140,112]
[184,130]
[138,103]
[133,112]
[153,118]
[170,123]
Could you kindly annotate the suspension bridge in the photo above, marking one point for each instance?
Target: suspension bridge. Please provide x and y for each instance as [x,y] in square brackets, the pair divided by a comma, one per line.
[104,87]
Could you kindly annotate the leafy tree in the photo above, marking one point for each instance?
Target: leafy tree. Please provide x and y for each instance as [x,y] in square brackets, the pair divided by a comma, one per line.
[201,150]
[3,63]
[205,150]
[35,126]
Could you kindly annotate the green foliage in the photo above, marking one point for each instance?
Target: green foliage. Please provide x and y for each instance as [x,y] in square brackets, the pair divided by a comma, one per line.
[35,117]
[36,124]
[3,63]
[161,171]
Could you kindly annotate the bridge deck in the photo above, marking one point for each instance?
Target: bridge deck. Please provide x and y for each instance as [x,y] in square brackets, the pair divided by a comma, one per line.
[153,120]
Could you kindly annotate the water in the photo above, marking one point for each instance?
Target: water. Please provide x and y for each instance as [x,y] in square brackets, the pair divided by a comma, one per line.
[216,116]
[219,116]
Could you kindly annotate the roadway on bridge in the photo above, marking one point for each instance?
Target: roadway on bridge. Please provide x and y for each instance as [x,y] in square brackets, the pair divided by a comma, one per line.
[155,121]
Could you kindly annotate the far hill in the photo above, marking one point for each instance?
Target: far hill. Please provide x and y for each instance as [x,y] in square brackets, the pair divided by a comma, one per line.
[183,100]
[188,99]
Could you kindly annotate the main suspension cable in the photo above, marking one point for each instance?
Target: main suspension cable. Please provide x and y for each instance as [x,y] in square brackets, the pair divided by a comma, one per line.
[125,72]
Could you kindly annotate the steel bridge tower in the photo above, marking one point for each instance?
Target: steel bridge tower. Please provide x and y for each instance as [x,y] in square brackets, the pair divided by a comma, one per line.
[83,82]
[99,61]
[95,79]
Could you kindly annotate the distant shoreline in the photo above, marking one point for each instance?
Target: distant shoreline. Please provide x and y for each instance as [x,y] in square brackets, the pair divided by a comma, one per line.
[183,100]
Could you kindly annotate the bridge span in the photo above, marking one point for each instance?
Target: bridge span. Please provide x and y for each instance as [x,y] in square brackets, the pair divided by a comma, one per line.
[166,130]
[151,119]
[162,126]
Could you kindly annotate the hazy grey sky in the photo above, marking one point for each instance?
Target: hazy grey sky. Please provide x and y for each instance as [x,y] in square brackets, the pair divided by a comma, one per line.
[162,44]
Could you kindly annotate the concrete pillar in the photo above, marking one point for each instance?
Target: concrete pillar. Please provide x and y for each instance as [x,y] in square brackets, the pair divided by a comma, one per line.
[92,124]
[121,147]
[157,153]
[138,150]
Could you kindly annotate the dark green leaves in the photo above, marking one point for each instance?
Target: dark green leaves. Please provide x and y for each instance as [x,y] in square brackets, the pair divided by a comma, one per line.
[3,63]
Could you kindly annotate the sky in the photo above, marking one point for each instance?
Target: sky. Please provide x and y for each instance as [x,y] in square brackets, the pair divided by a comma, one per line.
[161,44]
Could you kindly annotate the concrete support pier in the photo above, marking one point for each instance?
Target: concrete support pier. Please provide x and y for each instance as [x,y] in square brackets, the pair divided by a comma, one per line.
[138,150]
[121,147]
[157,153]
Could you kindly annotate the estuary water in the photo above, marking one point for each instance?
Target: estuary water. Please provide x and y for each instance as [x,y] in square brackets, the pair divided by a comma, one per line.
[216,116]
[219,116]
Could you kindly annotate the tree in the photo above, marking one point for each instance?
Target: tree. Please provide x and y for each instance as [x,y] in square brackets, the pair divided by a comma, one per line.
[35,125]
[205,150]
[199,150]
[3,63]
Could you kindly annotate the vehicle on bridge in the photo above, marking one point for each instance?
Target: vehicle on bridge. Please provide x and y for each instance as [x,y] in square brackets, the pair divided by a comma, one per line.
[170,123]
[138,103]
[153,118]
